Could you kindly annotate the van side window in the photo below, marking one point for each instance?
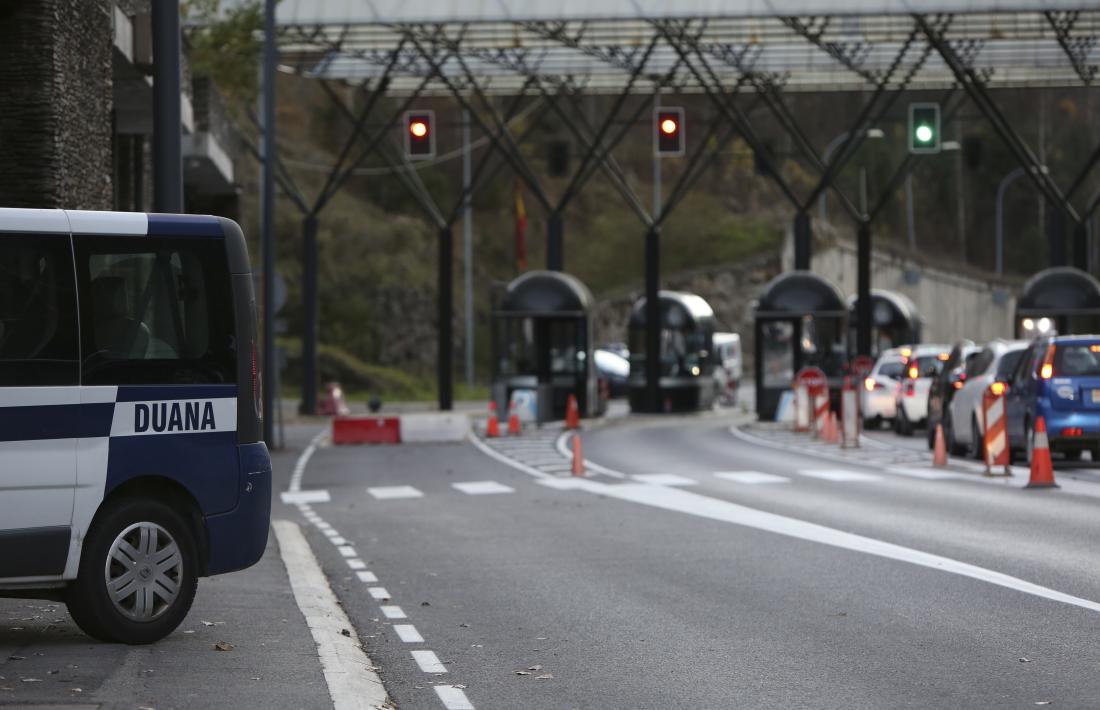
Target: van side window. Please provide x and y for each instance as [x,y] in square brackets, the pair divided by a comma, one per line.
[155,310]
[38,332]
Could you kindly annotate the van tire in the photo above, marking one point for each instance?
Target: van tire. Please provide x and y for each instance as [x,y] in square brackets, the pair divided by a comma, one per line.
[129,522]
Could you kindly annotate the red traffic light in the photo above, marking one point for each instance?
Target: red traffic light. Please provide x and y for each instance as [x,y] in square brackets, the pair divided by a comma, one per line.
[669,132]
[419,136]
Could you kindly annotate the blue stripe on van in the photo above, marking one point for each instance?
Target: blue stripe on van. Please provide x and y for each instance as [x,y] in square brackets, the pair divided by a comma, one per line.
[141,393]
[182,225]
[56,421]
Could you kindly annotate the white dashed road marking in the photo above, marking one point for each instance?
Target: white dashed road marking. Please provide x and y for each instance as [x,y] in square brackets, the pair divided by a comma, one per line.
[393,612]
[346,550]
[827,474]
[930,474]
[394,492]
[664,479]
[357,564]
[428,661]
[379,593]
[295,497]
[482,488]
[365,576]
[751,477]
[453,698]
[408,633]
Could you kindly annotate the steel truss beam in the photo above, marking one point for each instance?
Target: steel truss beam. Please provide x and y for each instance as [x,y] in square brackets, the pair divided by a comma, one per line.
[1076,48]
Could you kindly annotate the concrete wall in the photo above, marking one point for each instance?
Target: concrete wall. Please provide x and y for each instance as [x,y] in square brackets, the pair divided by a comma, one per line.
[952,305]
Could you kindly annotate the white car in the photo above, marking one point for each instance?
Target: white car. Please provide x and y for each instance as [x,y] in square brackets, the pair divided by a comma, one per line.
[880,387]
[727,369]
[965,426]
[924,363]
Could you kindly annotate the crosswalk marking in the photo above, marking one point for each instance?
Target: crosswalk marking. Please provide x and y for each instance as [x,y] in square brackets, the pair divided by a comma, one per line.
[838,475]
[482,488]
[664,479]
[394,492]
[751,477]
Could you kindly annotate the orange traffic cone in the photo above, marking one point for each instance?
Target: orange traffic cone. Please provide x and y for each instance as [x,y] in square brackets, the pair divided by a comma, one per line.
[572,414]
[939,453]
[492,429]
[578,457]
[834,428]
[514,427]
[1042,470]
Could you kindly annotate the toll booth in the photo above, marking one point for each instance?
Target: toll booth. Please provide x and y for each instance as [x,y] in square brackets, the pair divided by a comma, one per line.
[894,321]
[801,320]
[687,354]
[542,342]
[1061,300]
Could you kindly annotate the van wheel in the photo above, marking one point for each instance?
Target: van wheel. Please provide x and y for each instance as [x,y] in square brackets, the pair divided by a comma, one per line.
[138,574]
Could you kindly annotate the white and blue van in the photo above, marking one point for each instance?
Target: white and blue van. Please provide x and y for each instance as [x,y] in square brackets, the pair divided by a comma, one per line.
[131,454]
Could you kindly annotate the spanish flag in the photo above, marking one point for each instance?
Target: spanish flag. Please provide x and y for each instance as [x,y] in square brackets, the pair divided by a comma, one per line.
[521,228]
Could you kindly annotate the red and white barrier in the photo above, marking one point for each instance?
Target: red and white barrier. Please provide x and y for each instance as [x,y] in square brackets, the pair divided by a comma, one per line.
[366,430]
[995,438]
[409,428]
[821,412]
[802,410]
[849,415]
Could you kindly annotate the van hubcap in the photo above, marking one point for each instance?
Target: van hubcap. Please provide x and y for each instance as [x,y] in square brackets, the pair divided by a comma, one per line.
[143,572]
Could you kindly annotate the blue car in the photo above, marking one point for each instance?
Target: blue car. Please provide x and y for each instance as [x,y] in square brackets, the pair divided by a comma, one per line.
[1058,379]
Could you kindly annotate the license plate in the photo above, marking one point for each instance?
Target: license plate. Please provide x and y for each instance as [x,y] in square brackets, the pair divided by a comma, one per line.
[1096,396]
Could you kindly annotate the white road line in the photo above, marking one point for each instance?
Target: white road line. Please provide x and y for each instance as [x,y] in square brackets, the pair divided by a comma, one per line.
[682,501]
[482,488]
[337,540]
[664,479]
[930,474]
[428,661]
[312,496]
[751,477]
[408,633]
[379,593]
[346,550]
[563,484]
[364,575]
[491,453]
[838,475]
[453,698]
[303,459]
[393,612]
[357,564]
[349,673]
[394,492]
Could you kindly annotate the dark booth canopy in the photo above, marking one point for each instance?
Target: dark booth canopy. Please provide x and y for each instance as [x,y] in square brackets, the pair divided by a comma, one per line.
[888,307]
[677,310]
[1062,289]
[546,293]
[800,293]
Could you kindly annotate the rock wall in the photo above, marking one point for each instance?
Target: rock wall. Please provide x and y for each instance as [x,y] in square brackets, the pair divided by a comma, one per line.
[55,117]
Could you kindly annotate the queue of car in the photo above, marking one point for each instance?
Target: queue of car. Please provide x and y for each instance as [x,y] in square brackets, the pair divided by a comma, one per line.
[1055,377]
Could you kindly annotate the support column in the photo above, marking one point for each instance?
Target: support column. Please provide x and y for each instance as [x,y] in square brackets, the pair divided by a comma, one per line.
[267,217]
[1056,234]
[446,336]
[1081,245]
[309,314]
[555,246]
[167,151]
[653,319]
[803,241]
[863,289]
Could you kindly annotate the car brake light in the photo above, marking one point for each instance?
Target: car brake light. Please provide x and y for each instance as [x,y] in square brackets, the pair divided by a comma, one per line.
[1047,370]
[910,389]
[958,384]
[1072,431]
[869,384]
[913,372]
[998,388]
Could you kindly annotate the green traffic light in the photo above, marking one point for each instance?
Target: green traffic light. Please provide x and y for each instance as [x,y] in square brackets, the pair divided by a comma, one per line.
[924,133]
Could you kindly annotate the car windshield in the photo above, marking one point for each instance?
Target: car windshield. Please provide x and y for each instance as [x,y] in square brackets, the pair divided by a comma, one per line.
[1077,360]
[1008,363]
[927,365]
[891,368]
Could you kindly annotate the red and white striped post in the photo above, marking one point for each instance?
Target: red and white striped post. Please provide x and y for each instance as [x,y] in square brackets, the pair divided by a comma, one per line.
[995,438]
[849,415]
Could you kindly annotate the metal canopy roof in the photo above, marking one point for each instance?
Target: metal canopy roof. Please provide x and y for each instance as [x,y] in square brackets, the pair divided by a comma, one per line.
[797,44]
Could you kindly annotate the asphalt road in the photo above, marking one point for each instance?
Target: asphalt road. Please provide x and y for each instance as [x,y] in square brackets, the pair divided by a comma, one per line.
[802,577]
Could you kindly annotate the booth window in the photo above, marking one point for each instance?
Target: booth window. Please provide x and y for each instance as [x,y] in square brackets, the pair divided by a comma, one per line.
[823,345]
[38,332]
[517,351]
[778,365]
[566,352]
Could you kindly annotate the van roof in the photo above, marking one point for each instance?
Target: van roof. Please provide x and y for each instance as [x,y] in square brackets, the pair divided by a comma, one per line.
[15,219]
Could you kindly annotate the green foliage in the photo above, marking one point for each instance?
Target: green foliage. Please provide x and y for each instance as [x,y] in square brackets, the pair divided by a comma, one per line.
[226,45]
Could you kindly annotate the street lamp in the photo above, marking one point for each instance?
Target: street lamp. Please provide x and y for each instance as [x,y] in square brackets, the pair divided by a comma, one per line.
[833,145]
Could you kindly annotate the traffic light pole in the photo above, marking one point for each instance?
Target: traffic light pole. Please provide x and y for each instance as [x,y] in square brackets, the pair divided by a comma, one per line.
[863,287]
[446,308]
[653,319]
[803,241]
[555,246]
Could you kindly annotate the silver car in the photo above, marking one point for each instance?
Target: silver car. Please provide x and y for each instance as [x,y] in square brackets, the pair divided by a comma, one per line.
[965,426]
[880,387]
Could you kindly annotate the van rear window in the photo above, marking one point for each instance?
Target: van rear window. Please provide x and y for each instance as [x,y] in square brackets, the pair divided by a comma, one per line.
[1077,360]
[155,311]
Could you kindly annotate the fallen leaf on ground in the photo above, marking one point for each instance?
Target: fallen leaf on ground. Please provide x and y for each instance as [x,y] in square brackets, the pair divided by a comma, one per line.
[1042,702]
[345,632]
[522,672]
[424,604]
[32,680]
[534,668]
[223,646]
[544,676]
[1025,660]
